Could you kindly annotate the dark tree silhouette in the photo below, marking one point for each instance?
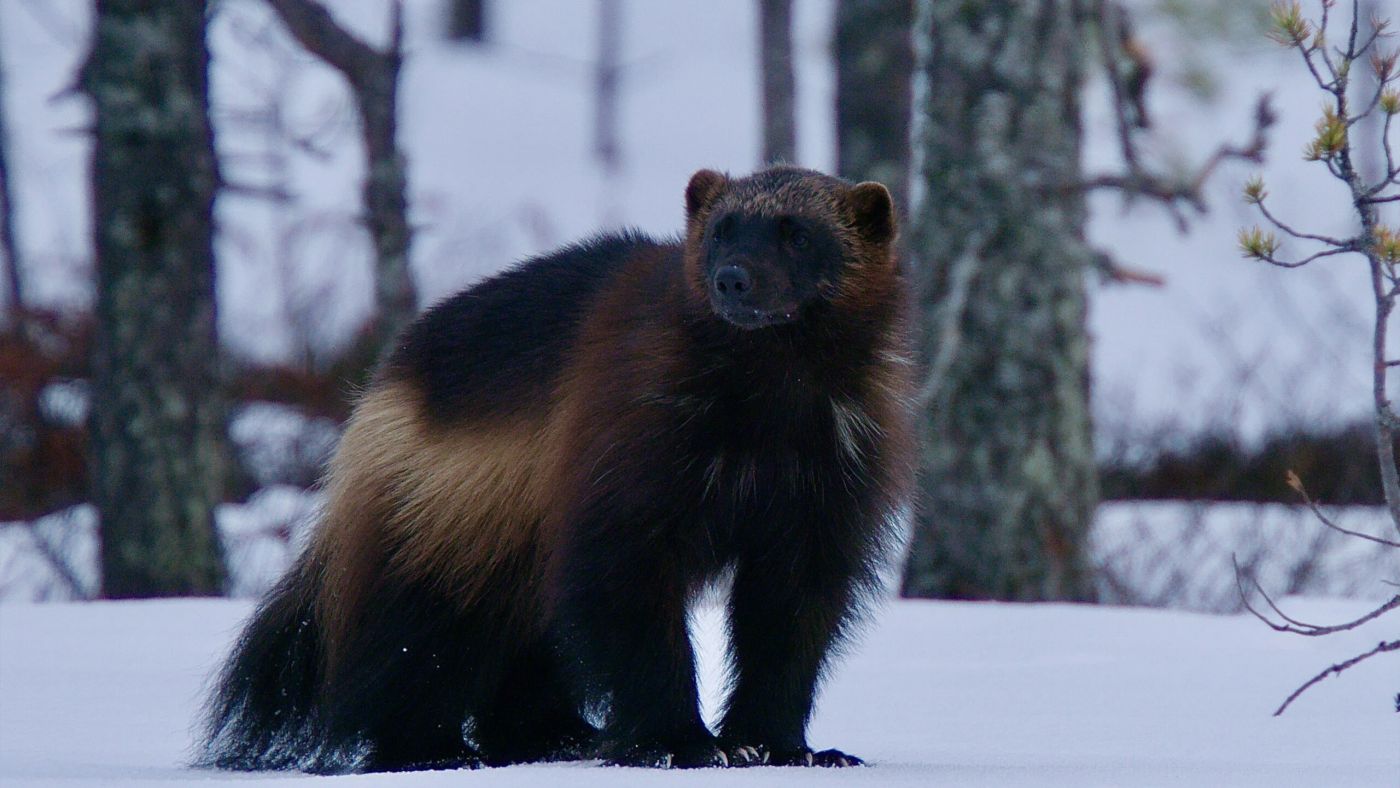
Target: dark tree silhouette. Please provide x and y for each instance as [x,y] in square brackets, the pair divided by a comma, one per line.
[874,50]
[779,93]
[9,245]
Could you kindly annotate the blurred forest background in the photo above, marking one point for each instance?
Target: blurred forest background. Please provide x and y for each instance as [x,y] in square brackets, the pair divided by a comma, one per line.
[215,216]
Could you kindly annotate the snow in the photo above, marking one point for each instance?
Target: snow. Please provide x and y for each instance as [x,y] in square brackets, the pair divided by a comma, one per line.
[936,693]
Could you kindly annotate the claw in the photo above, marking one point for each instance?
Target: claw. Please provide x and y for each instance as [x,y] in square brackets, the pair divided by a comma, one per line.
[745,755]
[836,759]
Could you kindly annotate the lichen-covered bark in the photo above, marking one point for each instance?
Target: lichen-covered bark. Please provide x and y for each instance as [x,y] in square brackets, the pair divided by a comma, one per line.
[874,52]
[157,418]
[1008,484]
[386,202]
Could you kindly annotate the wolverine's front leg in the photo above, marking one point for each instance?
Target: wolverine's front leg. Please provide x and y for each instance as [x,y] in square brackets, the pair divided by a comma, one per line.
[622,609]
[785,611]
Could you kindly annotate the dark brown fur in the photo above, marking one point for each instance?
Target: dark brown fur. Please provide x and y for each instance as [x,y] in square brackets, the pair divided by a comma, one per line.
[552,465]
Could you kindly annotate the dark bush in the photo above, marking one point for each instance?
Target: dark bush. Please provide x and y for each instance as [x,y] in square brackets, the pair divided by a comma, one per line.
[1338,466]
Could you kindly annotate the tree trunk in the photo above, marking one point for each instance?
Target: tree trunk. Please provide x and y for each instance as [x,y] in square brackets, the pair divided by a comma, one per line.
[467,21]
[775,64]
[374,82]
[607,74]
[157,418]
[9,246]
[874,92]
[1007,477]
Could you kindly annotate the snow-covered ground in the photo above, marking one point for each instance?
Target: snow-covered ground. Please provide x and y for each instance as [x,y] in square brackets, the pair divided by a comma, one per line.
[950,694]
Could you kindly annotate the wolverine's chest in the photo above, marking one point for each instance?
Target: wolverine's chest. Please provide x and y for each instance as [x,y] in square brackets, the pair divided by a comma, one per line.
[755,450]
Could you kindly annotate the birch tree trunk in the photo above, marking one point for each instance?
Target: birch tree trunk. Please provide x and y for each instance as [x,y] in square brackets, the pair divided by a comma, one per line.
[1007,476]
[157,417]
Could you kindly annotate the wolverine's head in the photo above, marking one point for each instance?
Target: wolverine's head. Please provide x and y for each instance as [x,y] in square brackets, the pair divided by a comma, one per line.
[764,248]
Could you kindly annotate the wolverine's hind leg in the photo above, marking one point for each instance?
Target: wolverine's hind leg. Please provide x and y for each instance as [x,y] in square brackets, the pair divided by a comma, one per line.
[533,716]
[407,681]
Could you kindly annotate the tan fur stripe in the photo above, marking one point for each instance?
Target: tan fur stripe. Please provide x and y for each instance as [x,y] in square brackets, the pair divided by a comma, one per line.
[446,505]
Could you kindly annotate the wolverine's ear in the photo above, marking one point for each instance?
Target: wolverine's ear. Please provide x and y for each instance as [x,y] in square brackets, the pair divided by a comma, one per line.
[874,211]
[704,187]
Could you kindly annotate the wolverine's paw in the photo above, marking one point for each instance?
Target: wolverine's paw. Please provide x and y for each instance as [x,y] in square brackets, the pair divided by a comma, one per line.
[761,755]
[658,755]
[422,764]
[745,755]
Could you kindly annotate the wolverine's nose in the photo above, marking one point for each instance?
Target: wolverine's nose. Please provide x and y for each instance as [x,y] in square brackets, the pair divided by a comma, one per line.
[733,282]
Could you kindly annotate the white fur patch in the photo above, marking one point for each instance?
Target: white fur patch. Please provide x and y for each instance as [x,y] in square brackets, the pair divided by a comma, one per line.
[853,426]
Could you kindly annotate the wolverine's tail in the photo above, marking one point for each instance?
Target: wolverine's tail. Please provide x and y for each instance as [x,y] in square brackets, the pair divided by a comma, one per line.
[264,712]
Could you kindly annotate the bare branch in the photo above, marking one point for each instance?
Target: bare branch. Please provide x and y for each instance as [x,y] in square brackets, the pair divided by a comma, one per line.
[1137,181]
[373,76]
[274,194]
[1271,260]
[1312,67]
[1116,272]
[1297,485]
[1391,171]
[53,556]
[1332,146]
[1115,49]
[1392,645]
[1349,243]
[317,31]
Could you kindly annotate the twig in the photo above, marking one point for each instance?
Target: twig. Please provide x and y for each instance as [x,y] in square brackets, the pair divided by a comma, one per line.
[1391,645]
[1116,272]
[1348,244]
[53,558]
[1297,485]
[1293,625]
[272,193]
[1274,261]
[1137,181]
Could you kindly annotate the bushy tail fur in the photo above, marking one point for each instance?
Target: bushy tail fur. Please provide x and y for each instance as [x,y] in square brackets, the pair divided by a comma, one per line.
[264,712]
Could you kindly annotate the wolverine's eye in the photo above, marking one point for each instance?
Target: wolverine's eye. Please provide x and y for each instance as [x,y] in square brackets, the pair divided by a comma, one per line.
[722,228]
[796,236]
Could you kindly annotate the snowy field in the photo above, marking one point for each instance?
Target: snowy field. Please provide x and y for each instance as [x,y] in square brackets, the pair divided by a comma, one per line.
[948,694]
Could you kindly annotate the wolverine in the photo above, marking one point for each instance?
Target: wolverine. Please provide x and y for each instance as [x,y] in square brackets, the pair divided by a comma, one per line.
[549,467]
